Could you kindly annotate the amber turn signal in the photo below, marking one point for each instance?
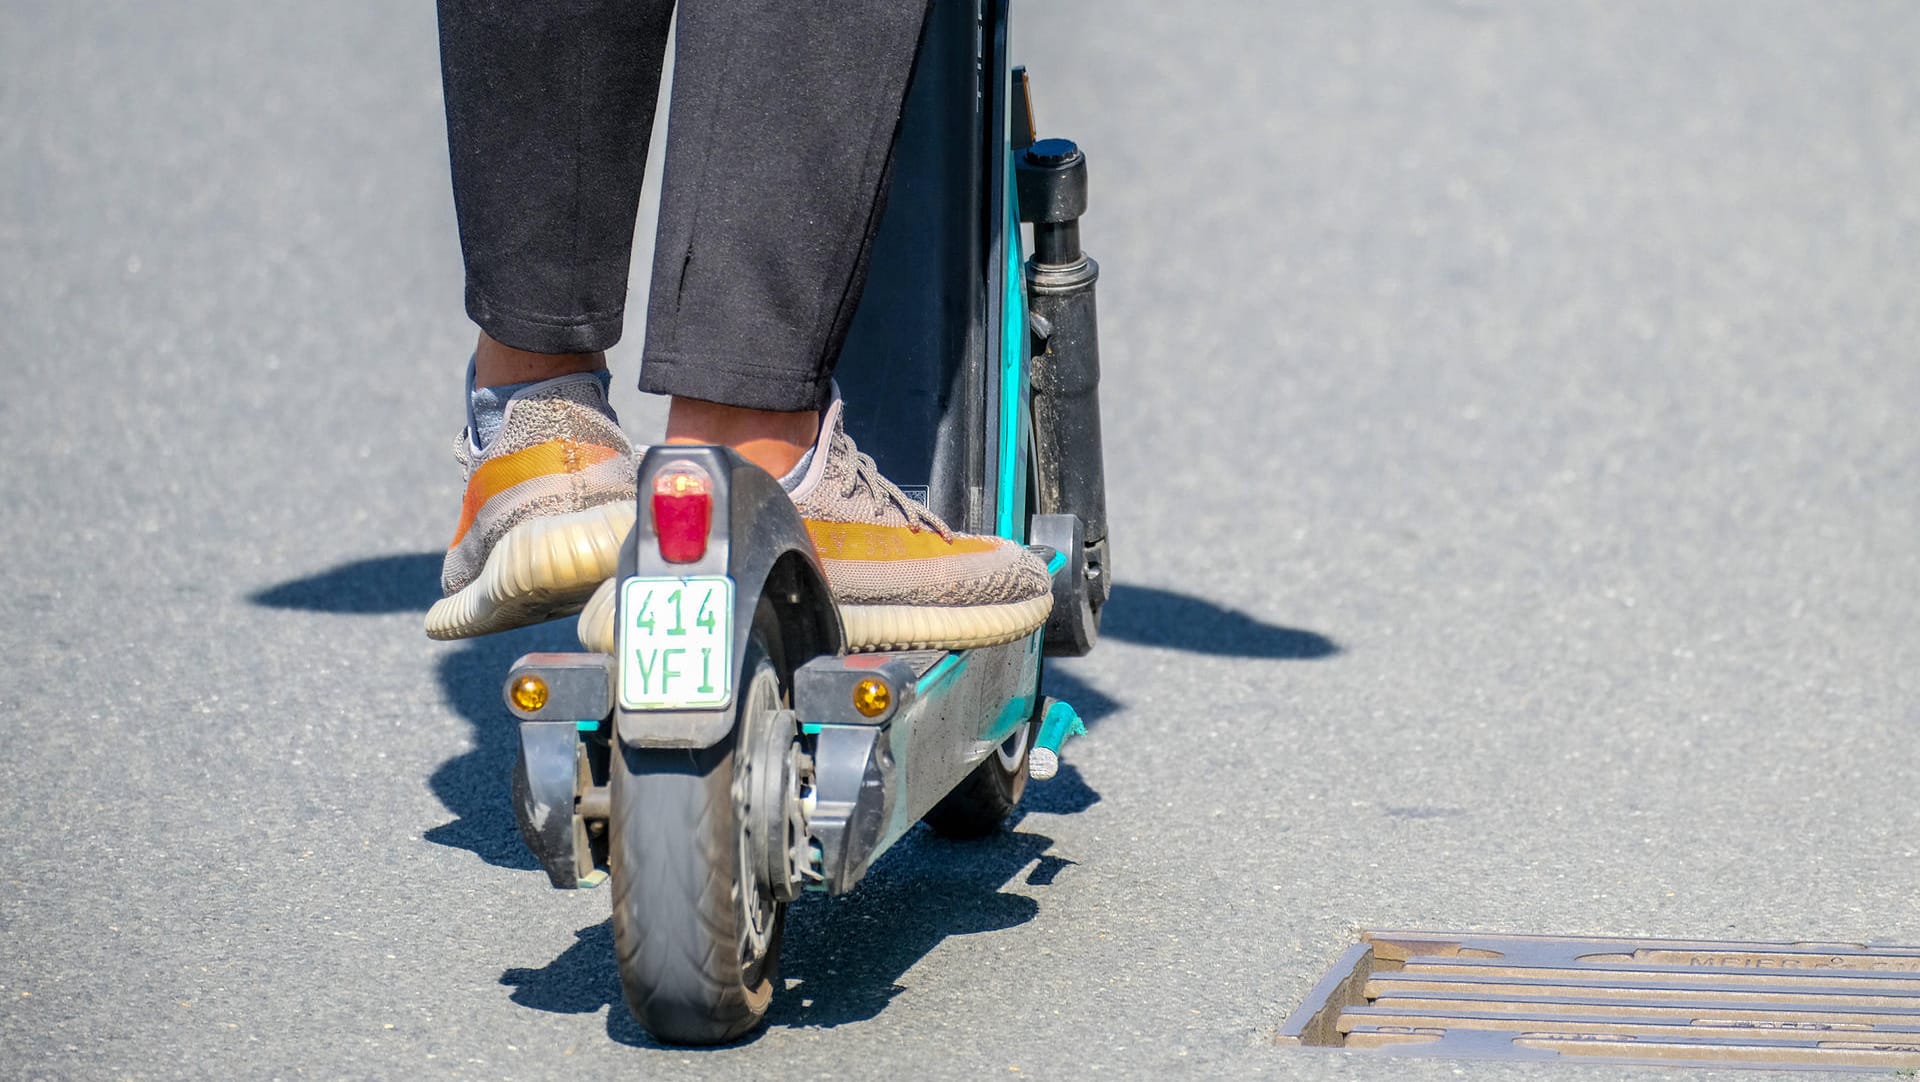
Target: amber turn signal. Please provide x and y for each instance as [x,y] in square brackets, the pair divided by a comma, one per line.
[529,693]
[872,697]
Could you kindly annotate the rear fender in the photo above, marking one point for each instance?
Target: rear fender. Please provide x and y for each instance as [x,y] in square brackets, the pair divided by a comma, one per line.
[759,541]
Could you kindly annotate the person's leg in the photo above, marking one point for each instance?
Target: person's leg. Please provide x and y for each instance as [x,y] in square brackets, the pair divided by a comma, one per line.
[778,157]
[784,117]
[774,440]
[549,106]
[497,364]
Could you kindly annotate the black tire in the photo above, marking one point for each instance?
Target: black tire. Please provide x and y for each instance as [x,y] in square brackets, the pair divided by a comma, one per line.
[696,965]
[979,806]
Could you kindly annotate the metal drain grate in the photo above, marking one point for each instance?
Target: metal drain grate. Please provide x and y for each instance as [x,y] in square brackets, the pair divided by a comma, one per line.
[1783,1005]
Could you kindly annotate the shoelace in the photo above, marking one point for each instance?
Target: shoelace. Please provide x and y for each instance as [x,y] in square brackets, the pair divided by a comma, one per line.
[864,472]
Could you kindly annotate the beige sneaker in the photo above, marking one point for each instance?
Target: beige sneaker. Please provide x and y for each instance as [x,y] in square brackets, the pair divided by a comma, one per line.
[549,501]
[902,578]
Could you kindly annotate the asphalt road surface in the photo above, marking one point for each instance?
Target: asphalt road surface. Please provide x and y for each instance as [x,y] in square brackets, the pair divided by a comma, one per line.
[1513,420]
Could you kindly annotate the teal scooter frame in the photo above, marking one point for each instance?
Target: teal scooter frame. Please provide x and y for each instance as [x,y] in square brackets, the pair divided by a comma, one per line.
[731,755]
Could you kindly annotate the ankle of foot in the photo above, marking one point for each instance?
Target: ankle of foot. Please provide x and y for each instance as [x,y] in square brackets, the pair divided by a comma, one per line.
[772,440]
[496,364]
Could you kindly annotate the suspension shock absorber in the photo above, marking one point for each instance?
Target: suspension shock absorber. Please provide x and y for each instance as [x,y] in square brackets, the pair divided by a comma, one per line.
[1071,478]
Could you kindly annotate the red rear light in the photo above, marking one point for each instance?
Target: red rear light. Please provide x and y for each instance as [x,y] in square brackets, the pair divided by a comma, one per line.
[682,512]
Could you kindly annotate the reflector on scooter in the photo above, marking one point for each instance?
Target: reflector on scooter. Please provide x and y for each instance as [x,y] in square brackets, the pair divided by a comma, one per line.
[682,512]
[872,697]
[529,693]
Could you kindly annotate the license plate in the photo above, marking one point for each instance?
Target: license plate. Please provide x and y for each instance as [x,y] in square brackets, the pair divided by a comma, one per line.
[676,643]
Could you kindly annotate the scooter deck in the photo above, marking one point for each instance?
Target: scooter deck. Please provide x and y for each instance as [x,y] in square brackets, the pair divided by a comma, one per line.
[876,770]
[935,716]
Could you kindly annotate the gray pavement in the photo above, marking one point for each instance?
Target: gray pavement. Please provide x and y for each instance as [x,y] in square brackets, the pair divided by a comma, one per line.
[1515,476]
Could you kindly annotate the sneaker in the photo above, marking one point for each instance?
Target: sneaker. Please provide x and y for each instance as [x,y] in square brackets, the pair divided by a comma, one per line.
[549,501]
[903,580]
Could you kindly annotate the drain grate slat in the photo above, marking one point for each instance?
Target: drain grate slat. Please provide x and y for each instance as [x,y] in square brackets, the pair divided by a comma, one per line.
[1746,1011]
[1386,985]
[1821,1054]
[1359,1019]
[1678,975]
[1786,1005]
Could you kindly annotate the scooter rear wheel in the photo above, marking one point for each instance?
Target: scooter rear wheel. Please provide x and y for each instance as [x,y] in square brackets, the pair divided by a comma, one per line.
[696,933]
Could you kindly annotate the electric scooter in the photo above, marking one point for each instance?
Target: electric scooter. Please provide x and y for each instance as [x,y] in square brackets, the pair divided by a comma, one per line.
[731,753]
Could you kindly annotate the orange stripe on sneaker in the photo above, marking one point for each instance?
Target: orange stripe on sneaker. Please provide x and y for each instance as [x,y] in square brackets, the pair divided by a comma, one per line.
[496,475]
[869,541]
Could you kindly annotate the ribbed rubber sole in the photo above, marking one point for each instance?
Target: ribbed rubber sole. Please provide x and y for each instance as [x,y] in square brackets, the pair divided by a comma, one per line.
[909,627]
[541,569]
[878,627]
[596,620]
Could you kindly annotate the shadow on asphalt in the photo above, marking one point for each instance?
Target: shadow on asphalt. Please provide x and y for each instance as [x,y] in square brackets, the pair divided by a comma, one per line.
[843,958]
[474,785]
[1144,615]
[1150,616]
[406,582]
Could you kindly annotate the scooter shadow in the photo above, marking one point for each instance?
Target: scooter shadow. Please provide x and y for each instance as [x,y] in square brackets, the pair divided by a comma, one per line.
[1169,620]
[474,785]
[843,958]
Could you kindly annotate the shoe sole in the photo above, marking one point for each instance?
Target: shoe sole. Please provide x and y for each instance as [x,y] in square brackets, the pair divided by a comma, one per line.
[911,627]
[540,570]
[878,627]
[596,620]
